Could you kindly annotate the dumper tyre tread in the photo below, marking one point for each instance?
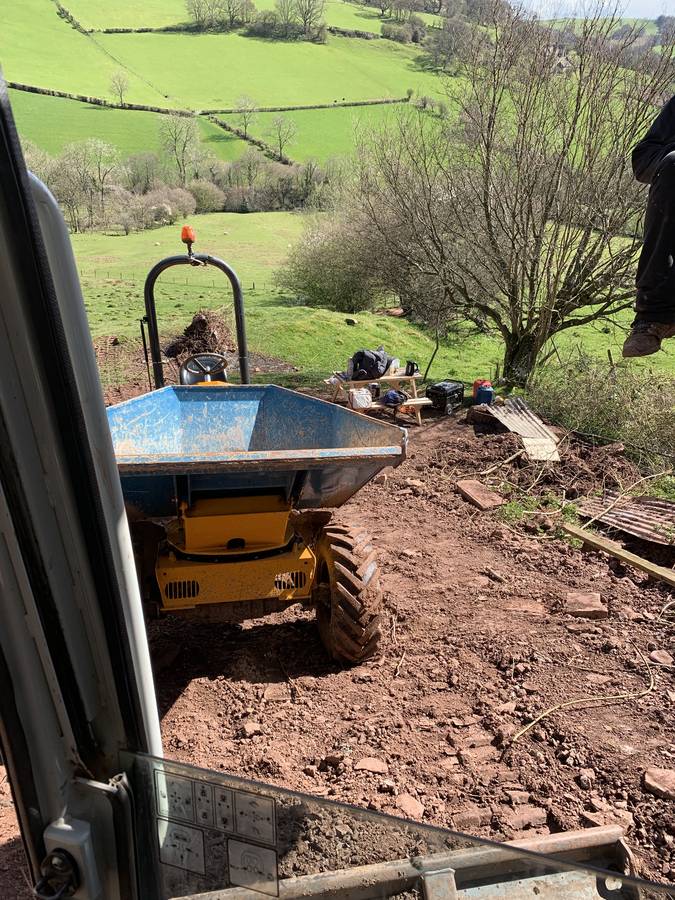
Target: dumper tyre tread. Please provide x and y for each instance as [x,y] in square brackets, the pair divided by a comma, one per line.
[348,594]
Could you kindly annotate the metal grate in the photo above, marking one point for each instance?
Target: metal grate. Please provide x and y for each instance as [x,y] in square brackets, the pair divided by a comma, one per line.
[289,581]
[181,590]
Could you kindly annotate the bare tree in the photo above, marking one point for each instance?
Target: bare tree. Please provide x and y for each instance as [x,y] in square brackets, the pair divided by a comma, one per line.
[83,179]
[119,84]
[208,13]
[447,44]
[233,10]
[282,132]
[248,167]
[310,13]
[197,10]
[522,215]
[246,110]
[286,15]
[180,139]
[384,6]
[141,172]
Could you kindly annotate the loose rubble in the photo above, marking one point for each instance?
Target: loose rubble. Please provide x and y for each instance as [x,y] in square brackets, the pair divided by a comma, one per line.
[479,642]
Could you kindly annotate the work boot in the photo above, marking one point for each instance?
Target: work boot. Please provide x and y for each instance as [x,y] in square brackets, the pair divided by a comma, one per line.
[645,338]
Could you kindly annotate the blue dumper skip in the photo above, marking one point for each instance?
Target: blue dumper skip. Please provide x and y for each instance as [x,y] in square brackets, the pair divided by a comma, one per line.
[245,439]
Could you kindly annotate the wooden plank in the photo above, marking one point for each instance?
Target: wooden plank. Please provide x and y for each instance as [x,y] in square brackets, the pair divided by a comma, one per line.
[479,495]
[383,379]
[417,401]
[598,542]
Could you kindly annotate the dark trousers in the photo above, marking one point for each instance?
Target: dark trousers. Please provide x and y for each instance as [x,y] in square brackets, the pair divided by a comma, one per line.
[656,268]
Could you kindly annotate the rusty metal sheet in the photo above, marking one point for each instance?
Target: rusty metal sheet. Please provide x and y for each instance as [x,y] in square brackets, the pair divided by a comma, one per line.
[648,518]
[539,441]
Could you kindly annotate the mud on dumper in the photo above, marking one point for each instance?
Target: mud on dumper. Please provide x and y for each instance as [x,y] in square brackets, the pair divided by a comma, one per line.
[229,490]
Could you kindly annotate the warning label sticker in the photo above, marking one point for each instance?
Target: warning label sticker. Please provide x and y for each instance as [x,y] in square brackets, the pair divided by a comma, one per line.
[216,831]
[253,867]
[181,846]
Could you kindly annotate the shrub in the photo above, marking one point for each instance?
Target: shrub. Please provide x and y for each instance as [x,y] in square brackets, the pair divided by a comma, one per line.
[402,34]
[264,24]
[330,268]
[208,197]
[614,402]
[419,29]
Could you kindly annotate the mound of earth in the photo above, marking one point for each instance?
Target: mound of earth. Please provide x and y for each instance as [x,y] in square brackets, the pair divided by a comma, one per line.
[206,333]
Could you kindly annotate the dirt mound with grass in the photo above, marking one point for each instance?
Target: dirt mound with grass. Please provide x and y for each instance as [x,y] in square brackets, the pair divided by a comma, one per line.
[206,333]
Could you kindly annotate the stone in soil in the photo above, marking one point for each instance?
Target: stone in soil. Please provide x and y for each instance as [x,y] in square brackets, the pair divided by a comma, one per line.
[477,756]
[661,782]
[471,818]
[410,806]
[585,605]
[251,729]
[662,657]
[371,764]
[528,817]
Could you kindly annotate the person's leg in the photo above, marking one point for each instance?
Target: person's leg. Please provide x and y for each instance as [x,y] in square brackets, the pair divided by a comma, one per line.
[656,268]
[655,304]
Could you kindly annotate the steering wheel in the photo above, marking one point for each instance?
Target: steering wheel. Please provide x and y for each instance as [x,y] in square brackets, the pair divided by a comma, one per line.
[205,365]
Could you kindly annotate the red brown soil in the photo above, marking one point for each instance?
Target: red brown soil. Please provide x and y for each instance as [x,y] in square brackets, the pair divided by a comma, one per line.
[124,372]
[477,645]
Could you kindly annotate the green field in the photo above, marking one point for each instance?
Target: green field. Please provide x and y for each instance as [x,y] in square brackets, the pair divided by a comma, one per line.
[159,13]
[316,340]
[322,134]
[214,70]
[128,13]
[53,122]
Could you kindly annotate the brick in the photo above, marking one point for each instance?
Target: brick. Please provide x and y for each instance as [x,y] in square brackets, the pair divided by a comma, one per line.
[479,495]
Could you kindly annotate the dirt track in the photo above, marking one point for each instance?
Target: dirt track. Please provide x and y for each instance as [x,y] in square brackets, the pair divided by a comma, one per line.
[477,645]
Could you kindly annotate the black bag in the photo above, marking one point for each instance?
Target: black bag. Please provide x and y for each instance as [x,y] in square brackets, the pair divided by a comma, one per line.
[367,364]
[446,395]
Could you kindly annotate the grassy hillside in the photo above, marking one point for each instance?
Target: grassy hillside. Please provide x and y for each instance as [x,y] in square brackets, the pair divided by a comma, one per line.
[37,47]
[213,70]
[316,340]
[53,122]
[113,269]
[196,71]
[128,13]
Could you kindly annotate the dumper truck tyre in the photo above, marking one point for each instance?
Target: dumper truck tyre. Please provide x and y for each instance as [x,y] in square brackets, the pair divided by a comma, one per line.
[347,593]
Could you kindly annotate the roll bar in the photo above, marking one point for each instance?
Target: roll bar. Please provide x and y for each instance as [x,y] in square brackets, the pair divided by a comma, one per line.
[150,319]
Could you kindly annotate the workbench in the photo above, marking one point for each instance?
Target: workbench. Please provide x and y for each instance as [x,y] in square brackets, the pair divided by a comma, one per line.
[398,381]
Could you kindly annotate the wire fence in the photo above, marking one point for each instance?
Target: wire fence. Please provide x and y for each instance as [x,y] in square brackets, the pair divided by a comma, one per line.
[212,285]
